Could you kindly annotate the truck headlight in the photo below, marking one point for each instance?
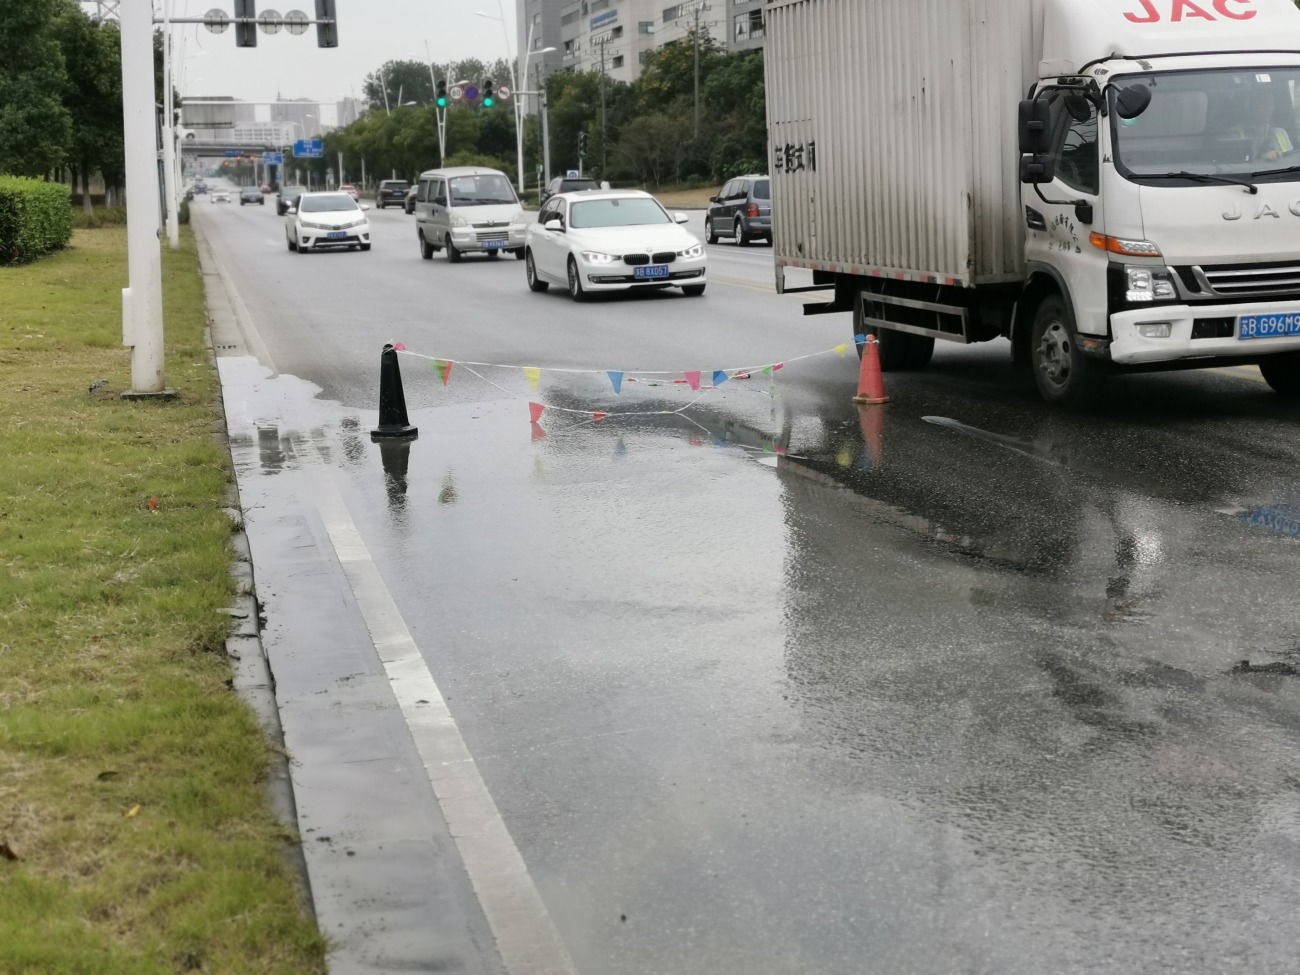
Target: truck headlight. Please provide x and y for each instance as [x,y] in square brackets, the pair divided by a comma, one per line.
[456,220]
[1149,284]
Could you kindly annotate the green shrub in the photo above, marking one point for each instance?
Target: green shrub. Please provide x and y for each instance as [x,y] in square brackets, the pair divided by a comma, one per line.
[99,217]
[35,218]
[183,211]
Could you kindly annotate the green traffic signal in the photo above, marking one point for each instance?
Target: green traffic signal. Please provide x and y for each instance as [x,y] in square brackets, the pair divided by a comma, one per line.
[442,94]
[488,98]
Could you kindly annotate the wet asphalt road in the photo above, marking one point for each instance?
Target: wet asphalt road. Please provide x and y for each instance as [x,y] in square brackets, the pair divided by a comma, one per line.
[770,685]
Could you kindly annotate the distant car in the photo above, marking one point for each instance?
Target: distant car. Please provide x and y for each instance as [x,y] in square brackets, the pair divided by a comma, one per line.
[611,240]
[410,199]
[568,184]
[742,210]
[391,191]
[287,197]
[251,194]
[321,220]
[351,191]
[266,187]
[219,196]
[200,188]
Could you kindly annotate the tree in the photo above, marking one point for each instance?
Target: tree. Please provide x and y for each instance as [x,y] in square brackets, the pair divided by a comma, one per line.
[35,128]
[92,95]
[407,80]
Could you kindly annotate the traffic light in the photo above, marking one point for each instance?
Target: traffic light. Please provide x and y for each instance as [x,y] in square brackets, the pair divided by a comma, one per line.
[442,93]
[582,145]
[327,35]
[488,98]
[245,30]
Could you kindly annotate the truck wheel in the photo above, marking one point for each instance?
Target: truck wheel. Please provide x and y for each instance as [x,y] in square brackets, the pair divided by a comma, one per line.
[453,255]
[709,235]
[1065,376]
[1282,372]
[426,251]
[898,351]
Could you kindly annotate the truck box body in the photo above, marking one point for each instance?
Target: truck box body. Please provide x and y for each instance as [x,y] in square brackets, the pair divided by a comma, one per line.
[909,106]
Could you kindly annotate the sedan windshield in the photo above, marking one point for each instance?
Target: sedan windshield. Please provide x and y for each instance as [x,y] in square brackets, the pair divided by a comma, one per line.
[617,212]
[485,190]
[1238,123]
[327,204]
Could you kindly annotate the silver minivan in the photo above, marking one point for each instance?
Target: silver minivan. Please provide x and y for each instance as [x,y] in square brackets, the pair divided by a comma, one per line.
[468,209]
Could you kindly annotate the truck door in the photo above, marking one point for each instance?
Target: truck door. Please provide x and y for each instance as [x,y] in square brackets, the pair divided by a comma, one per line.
[1056,232]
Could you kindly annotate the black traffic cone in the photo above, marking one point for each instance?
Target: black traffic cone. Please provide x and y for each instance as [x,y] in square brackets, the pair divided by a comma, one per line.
[393,423]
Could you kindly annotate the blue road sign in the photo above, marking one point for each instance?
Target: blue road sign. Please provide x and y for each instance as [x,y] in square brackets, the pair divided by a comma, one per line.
[232,152]
[273,158]
[308,148]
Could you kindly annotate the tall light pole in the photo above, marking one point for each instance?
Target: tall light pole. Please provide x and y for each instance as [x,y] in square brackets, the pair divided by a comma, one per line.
[169,134]
[514,84]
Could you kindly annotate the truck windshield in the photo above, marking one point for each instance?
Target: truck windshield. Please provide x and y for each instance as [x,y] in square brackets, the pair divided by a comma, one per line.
[482,190]
[1238,123]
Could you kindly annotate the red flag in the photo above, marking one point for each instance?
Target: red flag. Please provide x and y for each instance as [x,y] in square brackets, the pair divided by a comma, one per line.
[535,411]
[538,432]
[693,378]
[598,415]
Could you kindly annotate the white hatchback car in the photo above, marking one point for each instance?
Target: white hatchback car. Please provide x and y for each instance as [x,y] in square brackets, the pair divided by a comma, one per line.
[319,220]
[611,240]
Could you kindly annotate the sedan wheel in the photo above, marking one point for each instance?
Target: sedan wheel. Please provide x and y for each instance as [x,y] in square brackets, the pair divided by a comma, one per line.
[530,271]
[693,290]
[575,282]
[290,242]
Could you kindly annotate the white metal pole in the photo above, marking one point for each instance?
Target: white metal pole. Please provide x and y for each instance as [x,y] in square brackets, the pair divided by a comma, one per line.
[142,317]
[169,135]
[518,98]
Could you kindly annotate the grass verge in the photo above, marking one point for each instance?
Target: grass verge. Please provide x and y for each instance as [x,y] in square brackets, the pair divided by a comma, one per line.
[135,832]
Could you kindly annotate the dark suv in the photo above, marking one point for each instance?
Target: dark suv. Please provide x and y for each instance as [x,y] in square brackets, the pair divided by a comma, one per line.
[287,197]
[742,210]
[391,192]
[567,184]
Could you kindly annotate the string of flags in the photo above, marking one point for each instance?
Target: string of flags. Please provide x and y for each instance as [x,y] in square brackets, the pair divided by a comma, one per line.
[694,379]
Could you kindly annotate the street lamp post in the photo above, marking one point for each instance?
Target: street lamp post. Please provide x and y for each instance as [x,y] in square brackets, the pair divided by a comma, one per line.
[514,84]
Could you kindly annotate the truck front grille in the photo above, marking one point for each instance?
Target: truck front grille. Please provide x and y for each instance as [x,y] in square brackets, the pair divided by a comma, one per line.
[1257,281]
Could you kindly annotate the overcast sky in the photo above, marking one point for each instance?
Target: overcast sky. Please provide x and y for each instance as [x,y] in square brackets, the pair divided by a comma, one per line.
[370,33]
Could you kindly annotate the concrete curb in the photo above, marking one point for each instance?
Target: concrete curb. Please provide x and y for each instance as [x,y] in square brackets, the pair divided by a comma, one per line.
[251,676]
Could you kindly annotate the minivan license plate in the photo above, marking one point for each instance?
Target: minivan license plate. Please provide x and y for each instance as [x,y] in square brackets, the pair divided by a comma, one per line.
[1271,326]
[651,271]
[491,244]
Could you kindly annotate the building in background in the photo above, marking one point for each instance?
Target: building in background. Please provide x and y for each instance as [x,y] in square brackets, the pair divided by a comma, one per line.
[348,110]
[616,35]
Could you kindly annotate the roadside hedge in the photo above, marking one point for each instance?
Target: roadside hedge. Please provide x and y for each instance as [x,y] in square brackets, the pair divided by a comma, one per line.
[35,218]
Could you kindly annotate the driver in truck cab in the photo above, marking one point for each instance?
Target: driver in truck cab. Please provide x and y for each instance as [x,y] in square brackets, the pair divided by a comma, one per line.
[1269,141]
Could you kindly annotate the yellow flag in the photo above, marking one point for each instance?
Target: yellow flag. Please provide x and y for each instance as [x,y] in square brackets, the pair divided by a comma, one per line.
[533,374]
[840,350]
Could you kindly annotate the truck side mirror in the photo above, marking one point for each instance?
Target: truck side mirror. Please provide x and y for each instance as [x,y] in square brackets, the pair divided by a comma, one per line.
[1035,126]
[1132,101]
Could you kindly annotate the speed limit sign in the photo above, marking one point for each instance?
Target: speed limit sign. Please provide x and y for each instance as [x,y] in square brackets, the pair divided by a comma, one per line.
[503,92]
[457,92]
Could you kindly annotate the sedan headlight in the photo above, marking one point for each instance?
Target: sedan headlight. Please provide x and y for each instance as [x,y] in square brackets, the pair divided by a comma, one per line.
[595,257]
[1149,284]
[307,224]
[691,253]
[352,223]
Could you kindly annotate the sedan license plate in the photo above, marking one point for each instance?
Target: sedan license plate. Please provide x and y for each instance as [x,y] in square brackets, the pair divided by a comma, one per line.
[1270,326]
[651,271]
[491,244]
[337,234]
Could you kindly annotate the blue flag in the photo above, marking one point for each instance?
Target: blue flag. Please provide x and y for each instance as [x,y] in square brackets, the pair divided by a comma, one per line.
[616,378]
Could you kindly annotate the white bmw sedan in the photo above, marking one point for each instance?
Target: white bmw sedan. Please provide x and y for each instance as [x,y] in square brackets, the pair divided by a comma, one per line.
[611,240]
[319,220]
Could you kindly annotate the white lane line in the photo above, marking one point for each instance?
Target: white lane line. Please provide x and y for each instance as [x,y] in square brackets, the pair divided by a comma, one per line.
[525,935]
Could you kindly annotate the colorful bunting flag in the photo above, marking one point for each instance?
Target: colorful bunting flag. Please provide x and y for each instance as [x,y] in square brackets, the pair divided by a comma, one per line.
[719,377]
[860,340]
[535,411]
[779,365]
[842,349]
[534,374]
[599,415]
[693,378]
[616,378]
[740,374]
[767,370]
[399,347]
[443,368]
[538,432]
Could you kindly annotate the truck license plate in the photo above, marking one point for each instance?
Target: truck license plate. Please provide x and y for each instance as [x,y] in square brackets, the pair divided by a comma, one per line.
[651,271]
[1271,326]
[493,244]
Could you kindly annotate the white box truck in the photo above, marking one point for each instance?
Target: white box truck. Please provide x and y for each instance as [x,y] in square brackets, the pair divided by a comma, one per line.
[1110,184]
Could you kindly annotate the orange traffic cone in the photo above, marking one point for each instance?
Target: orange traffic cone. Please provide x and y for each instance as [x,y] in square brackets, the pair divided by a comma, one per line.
[871,387]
